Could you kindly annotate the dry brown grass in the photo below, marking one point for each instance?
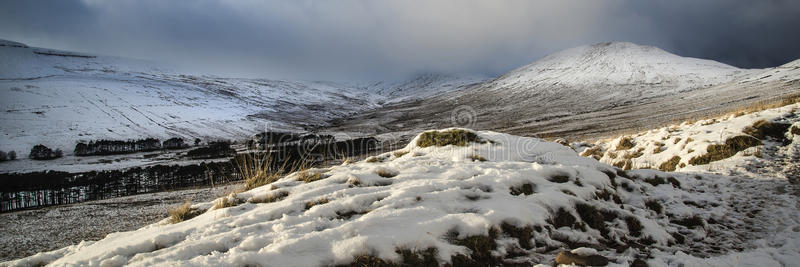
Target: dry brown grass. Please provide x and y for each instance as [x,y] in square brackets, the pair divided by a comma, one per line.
[595,152]
[309,176]
[226,202]
[259,170]
[269,198]
[625,143]
[476,157]
[319,201]
[670,165]
[722,151]
[400,153]
[182,213]
[382,172]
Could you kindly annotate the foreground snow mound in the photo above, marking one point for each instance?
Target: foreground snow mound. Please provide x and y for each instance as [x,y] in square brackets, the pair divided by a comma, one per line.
[486,198]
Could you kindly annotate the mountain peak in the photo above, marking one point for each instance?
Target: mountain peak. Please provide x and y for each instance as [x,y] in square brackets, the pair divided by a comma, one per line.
[619,63]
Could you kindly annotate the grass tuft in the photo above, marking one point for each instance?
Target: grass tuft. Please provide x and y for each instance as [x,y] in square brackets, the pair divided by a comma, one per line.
[625,143]
[456,137]
[182,213]
[270,197]
[400,153]
[308,176]
[595,152]
[476,157]
[259,170]
[669,165]
[386,173]
[319,201]
[226,202]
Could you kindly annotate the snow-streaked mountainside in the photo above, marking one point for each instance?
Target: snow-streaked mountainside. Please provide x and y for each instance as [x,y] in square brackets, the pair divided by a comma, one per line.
[423,86]
[497,201]
[590,91]
[57,98]
[618,63]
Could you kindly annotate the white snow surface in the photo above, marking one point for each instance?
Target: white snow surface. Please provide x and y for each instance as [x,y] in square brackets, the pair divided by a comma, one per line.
[58,98]
[441,190]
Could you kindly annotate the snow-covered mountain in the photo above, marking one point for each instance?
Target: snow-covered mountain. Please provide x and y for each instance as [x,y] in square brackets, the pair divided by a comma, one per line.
[589,90]
[610,73]
[423,86]
[58,97]
[618,64]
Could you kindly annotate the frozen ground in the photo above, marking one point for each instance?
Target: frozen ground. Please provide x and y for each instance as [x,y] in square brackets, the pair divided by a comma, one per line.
[500,200]
[25,233]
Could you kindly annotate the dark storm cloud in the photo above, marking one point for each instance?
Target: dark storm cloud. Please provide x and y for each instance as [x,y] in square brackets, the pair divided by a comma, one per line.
[359,39]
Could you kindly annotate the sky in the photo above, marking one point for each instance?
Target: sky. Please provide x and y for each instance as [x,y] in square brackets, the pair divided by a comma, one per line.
[346,40]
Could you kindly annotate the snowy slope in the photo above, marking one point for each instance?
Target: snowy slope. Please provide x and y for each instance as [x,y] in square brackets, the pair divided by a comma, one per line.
[521,204]
[57,98]
[422,86]
[681,143]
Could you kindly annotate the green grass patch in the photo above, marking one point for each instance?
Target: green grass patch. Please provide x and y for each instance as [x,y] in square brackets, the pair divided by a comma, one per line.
[455,137]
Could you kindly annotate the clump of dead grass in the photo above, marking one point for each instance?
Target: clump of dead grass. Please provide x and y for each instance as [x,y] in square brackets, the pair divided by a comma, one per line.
[182,213]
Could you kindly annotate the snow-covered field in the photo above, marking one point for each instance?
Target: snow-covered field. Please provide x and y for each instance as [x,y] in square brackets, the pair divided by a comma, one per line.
[500,200]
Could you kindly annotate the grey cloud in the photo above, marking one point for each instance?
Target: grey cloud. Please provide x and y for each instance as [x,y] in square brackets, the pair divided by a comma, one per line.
[355,39]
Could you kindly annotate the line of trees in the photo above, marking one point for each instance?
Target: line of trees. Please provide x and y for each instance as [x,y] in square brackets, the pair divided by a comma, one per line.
[113,147]
[11,155]
[41,152]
